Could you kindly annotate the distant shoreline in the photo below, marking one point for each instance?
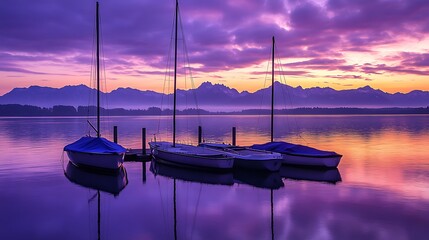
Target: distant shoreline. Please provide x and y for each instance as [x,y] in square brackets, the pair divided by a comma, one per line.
[17,110]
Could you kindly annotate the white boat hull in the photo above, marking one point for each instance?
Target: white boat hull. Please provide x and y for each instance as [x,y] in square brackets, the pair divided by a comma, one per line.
[96,160]
[192,156]
[312,161]
[249,158]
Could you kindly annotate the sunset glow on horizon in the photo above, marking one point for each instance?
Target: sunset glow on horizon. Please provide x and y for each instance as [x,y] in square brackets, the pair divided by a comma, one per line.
[339,44]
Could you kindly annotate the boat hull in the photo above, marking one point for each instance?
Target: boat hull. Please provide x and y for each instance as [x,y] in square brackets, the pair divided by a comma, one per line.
[311,161]
[96,160]
[171,154]
[264,164]
[248,158]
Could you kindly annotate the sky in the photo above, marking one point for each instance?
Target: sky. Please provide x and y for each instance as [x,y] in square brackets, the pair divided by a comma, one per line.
[342,44]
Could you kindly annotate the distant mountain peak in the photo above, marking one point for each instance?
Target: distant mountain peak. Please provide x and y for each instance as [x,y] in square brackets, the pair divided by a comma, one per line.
[366,88]
[220,96]
[208,84]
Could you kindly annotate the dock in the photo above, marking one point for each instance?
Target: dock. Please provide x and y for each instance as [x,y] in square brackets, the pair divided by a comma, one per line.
[136,155]
[144,155]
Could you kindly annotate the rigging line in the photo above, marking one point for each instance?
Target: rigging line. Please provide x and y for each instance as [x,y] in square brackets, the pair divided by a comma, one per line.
[185,45]
[104,77]
[283,80]
[265,82]
[91,78]
[167,75]
[189,69]
[186,68]
[290,100]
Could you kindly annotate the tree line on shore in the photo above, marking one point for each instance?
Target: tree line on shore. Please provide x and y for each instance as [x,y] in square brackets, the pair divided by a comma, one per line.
[61,110]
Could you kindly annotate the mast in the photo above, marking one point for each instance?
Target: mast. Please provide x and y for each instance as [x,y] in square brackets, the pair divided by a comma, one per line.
[272,134]
[175,74]
[272,93]
[98,70]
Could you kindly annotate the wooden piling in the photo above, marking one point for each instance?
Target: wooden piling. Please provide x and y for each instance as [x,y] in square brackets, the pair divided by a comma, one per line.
[115,134]
[143,141]
[200,134]
[234,136]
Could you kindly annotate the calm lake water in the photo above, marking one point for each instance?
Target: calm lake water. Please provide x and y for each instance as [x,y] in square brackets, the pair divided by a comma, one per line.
[383,192]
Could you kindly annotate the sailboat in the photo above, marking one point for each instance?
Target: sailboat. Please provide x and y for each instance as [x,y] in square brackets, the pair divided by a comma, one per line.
[96,152]
[184,154]
[296,154]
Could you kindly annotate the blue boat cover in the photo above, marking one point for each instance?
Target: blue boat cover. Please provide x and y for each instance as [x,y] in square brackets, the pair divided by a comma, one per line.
[290,148]
[94,145]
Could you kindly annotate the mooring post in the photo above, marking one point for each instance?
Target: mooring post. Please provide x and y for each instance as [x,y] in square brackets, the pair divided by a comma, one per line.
[115,134]
[234,137]
[200,134]
[144,141]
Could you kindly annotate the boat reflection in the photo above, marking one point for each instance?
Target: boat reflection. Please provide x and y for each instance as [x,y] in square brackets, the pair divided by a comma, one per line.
[260,179]
[191,174]
[112,182]
[327,175]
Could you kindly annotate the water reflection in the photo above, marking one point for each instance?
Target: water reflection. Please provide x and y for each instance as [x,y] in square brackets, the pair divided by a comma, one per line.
[255,178]
[191,175]
[271,181]
[112,182]
[328,175]
[260,179]
[383,193]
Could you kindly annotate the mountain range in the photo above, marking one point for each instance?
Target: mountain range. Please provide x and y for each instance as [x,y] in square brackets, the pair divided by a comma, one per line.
[217,97]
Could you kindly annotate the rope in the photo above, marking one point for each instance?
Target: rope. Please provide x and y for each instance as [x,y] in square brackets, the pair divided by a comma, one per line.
[265,84]
[167,75]
[104,78]
[283,79]
[91,97]
[187,67]
[183,59]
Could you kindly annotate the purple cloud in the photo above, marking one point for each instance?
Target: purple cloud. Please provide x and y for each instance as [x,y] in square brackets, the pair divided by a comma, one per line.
[381,68]
[220,35]
[19,70]
[415,59]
